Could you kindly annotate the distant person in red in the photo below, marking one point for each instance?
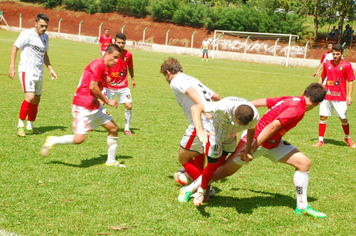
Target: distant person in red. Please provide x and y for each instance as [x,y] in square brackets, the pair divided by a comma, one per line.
[104,41]
[328,51]
[337,73]
[118,83]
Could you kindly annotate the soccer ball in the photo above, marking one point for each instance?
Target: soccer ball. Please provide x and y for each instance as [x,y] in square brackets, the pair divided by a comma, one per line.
[181,177]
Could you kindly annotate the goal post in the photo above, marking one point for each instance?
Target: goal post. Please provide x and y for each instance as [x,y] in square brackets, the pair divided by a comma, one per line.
[242,38]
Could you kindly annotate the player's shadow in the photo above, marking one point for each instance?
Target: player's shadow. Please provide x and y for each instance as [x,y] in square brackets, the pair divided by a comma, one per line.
[332,142]
[45,129]
[249,204]
[121,130]
[90,162]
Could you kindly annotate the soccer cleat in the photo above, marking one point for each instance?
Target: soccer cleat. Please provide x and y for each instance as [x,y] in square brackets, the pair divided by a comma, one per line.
[350,143]
[184,195]
[200,197]
[310,212]
[33,131]
[46,147]
[115,164]
[128,132]
[21,132]
[319,144]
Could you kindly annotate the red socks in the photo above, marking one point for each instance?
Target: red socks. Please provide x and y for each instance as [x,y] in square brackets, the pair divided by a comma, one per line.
[32,113]
[346,129]
[192,169]
[25,107]
[322,128]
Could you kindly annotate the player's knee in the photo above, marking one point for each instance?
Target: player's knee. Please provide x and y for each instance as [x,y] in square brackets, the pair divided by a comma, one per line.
[323,118]
[78,139]
[128,106]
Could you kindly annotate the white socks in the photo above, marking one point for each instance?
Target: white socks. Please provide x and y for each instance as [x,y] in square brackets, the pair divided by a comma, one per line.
[29,125]
[128,114]
[66,139]
[301,180]
[112,147]
[21,123]
[194,185]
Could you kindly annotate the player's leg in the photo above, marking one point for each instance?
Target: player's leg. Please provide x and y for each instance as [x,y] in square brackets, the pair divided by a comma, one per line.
[112,142]
[34,102]
[288,154]
[325,110]
[126,98]
[341,111]
[29,90]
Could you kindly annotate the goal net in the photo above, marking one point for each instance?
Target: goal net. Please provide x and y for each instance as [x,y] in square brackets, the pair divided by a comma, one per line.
[256,43]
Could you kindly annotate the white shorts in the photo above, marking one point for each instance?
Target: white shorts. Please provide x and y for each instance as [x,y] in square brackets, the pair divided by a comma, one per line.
[124,94]
[215,146]
[327,107]
[31,83]
[85,120]
[274,154]
[190,140]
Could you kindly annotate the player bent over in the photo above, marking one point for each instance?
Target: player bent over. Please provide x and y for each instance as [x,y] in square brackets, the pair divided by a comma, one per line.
[231,115]
[188,91]
[87,112]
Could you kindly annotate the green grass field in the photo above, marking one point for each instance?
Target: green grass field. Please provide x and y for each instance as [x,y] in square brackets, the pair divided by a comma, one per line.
[71,192]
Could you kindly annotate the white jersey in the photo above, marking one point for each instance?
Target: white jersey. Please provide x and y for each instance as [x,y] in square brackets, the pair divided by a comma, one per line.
[205,44]
[329,57]
[224,111]
[180,83]
[33,48]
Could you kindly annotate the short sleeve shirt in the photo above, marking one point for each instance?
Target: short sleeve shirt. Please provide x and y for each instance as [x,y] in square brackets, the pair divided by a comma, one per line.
[94,71]
[105,41]
[33,48]
[205,44]
[224,113]
[288,110]
[337,77]
[118,73]
[180,84]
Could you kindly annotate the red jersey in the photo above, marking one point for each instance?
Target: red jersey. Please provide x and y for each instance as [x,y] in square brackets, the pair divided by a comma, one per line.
[323,57]
[337,77]
[94,71]
[288,110]
[118,73]
[105,41]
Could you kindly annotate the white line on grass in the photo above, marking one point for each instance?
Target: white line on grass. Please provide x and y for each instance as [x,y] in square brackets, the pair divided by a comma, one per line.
[4,233]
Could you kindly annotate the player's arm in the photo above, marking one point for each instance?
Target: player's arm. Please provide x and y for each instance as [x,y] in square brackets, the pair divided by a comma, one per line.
[216,97]
[318,70]
[131,72]
[100,48]
[94,88]
[49,66]
[349,95]
[197,110]
[266,133]
[13,54]
[248,156]
[261,102]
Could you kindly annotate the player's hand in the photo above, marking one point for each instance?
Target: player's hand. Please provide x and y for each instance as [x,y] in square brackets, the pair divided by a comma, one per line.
[203,136]
[208,115]
[112,103]
[348,101]
[133,83]
[247,157]
[11,73]
[53,74]
[315,74]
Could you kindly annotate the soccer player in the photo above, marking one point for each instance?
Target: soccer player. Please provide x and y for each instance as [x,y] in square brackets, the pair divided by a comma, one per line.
[231,115]
[337,73]
[188,91]
[205,46]
[87,112]
[34,46]
[105,40]
[326,57]
[118,81]
[283,114]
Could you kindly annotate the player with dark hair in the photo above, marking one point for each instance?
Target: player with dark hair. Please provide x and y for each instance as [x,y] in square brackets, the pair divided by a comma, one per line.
[188,91]
[283,114]
[230,116]
[87,111]
[34,46]
[118,84]
[337,73]
[104,41]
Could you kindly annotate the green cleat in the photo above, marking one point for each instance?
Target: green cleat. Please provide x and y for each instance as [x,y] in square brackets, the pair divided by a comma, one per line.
[184,195]
[21,132]
[310,212]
